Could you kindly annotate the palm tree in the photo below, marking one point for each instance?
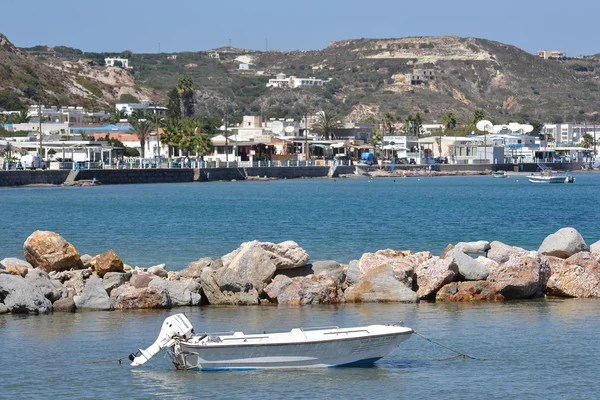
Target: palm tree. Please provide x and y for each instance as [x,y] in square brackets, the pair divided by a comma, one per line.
[326,123]
[477,116]
[171,133]
[23,117]
[142,129]
[117,115]
[389,122]
[185,88]
[138,114]
[449,120]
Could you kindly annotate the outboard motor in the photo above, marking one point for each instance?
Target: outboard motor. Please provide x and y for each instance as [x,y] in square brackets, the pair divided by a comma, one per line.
[176,326]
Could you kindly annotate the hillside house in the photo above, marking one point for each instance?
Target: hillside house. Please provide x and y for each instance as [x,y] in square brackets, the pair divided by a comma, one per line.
[110,62]
[281,81]
[551,54]
[420,75]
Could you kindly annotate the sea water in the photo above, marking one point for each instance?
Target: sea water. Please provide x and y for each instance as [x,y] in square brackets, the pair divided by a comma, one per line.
[543,348]
[332,219]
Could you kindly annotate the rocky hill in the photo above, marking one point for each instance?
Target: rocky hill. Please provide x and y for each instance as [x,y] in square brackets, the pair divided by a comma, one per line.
[367,78]
[61,80]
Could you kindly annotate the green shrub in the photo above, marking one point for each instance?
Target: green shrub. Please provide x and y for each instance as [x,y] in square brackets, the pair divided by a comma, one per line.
[90,86]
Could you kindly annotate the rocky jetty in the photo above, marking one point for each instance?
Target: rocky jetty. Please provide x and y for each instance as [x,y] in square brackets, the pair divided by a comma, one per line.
[55,277]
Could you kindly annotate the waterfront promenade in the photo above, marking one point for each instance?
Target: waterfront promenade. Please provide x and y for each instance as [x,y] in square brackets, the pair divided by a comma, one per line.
[203,172]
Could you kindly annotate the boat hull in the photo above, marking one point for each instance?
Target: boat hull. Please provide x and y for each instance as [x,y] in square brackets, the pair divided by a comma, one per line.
[548,179]
[338,352]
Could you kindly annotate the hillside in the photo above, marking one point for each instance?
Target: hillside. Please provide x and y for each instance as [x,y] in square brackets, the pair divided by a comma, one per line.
[368,79]
[59,81]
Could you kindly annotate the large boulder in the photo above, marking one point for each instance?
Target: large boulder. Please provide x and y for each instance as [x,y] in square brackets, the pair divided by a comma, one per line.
[50,252]
[595,249]
[159,270]
[379,285]
[108,261]
[21,296]
[94,296]
[522,276]
[433,274]
[312,289]
[353,272]
[240,293]
[400,261]
[574,281]
[128,297]
[479,247]
[285,255]
[66,304]
[563,244]
[468,268]
[113,280]
[585,259]
[3,309]
[20,270]
[74,281]
[277,289]
[253,264]
[332,269]
[43,283]
[185,292]
[468,291]
[489,264]
[15,262]
[501,252]
[194,269]
[141,279]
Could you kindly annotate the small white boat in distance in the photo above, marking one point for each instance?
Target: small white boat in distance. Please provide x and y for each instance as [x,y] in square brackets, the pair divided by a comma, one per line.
[299,348]
[500,174]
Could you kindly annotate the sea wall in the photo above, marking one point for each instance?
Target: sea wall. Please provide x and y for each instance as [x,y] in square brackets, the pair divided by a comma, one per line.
[38,177]
[227,174]
[131,176]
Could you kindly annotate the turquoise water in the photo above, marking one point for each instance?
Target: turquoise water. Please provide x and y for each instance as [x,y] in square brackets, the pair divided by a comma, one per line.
[538,349]
[331,219]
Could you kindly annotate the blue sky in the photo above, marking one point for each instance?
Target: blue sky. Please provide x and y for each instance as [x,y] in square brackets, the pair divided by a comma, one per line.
[187,25]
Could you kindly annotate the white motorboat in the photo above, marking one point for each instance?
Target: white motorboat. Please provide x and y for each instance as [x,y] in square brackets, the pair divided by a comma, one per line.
[299,348]
[548,176]
[500,174]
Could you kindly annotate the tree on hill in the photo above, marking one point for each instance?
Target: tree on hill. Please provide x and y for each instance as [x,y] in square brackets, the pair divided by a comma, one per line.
[326,123]
[10,101]
[449,120]
[128,98]
[174,105]
[185,89]
[478,115]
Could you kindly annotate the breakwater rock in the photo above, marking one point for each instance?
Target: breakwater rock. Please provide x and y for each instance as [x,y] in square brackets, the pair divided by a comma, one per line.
[57,278]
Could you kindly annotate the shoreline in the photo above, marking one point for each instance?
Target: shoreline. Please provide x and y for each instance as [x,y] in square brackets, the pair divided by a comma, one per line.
[370,174]
[56,277]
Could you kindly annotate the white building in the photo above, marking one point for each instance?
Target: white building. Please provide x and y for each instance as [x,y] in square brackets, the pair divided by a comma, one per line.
[244,66]
[281,81]
[110,62]
[131,107]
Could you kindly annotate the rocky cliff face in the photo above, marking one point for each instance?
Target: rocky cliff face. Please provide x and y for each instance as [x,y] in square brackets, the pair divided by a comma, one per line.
[54,81]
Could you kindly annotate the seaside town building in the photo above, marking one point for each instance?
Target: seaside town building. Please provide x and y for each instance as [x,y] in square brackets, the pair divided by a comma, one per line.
[129,108]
